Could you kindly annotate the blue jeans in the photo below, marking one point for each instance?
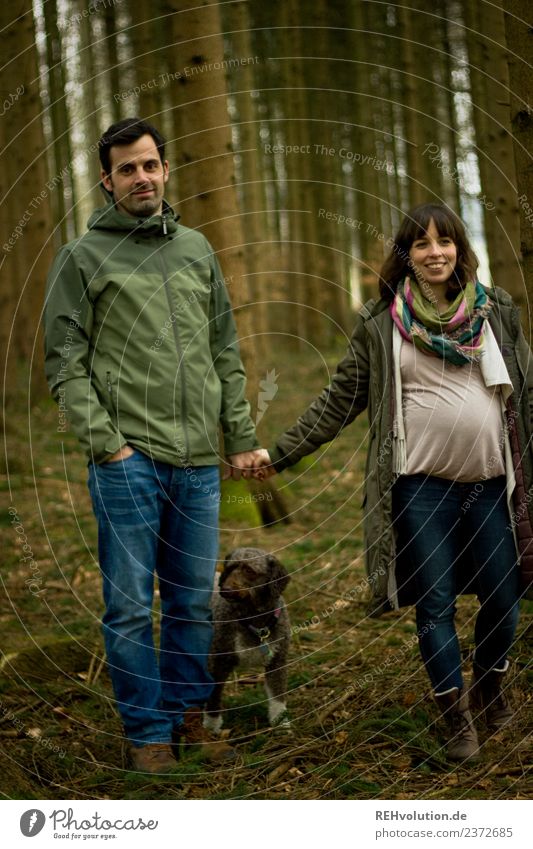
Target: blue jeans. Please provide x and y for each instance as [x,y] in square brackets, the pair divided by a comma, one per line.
[442,525]
[154,517]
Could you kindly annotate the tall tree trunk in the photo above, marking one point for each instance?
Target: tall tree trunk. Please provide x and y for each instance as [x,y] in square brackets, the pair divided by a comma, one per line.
[27,247]
[423,99]
[147,22]
[519,36]
[208,198]
[261,254]
[90,101]
[60,128]
[368,205]
[494,142]
[112,58]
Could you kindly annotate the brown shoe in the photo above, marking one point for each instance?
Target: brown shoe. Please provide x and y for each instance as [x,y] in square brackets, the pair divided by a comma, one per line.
[463,743]
[488,698]
[195,737]
[154,758]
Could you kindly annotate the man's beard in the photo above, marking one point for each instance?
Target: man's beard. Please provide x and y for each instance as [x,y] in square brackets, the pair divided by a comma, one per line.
[144,207]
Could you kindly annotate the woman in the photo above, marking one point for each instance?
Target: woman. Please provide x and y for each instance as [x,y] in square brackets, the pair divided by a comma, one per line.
[444,370]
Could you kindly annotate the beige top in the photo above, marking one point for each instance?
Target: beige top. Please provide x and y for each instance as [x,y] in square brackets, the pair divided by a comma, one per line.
[453,421]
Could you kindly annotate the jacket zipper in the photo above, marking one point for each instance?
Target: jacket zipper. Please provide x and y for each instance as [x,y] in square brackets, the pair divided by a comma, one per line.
[179,352]
[110,390]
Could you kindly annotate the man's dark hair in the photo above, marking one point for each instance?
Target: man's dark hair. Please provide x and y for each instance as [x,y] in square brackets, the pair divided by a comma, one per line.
[126,132]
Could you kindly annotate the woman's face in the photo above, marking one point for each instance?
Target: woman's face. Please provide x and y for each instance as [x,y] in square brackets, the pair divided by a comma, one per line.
[433,257]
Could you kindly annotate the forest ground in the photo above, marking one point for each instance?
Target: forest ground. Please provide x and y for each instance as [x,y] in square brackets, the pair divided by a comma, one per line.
[364,725]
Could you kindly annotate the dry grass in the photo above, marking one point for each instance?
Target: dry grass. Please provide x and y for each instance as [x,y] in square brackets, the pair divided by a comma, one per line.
[363,719]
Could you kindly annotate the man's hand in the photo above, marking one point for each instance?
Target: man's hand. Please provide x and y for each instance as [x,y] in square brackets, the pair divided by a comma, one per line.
[263,467]
[121,454]
[243,464]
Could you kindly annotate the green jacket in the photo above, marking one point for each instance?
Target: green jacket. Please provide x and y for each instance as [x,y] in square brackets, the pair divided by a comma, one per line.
[364,380]
[140,342]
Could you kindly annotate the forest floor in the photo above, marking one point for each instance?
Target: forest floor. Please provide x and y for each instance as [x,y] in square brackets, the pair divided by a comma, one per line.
[364,725]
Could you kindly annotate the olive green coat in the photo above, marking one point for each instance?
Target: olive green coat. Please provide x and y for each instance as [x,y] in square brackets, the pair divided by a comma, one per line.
[364,380]
[140,342]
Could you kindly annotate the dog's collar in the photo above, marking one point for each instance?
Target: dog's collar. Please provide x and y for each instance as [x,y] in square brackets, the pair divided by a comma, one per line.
[264,633]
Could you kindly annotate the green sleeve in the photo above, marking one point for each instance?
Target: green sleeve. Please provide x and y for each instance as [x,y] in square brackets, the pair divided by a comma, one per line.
[335,408]
[68,323]
[237,426]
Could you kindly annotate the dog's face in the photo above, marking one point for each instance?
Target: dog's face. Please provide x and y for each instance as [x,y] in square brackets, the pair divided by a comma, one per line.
[253,576]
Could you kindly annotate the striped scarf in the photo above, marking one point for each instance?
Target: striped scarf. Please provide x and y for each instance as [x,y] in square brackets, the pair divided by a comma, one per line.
[455,335]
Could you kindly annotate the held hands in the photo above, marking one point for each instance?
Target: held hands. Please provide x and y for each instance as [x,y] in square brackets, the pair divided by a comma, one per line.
[249,464]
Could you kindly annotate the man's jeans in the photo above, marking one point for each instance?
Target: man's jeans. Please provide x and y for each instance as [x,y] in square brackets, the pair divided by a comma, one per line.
[154,517]
[438,524]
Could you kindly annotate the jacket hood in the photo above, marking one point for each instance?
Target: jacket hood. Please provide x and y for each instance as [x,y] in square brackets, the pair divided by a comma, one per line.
[108,217]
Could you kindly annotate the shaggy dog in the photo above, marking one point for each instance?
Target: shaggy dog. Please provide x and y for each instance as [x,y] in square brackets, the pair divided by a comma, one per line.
[251,626]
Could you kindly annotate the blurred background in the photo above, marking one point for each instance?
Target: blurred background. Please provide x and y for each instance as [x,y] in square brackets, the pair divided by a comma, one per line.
[298,134]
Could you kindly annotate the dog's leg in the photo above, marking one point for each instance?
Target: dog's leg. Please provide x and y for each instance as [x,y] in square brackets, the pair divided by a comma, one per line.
[275,688]
[220,667]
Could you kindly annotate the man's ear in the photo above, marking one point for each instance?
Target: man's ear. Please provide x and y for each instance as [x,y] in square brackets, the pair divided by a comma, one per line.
[106,181]
[165,171]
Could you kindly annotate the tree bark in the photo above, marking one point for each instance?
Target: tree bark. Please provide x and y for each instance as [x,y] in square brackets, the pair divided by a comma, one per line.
[26,203]
[490,72]
[520,44]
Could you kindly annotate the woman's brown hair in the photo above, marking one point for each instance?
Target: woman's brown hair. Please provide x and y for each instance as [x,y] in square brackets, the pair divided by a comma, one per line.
[414,226]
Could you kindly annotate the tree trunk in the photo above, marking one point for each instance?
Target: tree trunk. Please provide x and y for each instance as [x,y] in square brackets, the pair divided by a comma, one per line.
[147,57]
[494,143]
[112,58]
[520,44]
[27,247]
[60,129]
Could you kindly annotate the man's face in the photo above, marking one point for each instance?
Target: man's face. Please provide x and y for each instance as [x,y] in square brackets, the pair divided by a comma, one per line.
[137,179]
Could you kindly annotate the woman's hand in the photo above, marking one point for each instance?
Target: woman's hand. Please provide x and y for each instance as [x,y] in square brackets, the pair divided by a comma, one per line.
[263,468]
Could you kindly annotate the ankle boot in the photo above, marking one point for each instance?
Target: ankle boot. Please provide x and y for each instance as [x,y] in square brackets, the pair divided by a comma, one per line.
[462,744]
[194,737]
[488,698]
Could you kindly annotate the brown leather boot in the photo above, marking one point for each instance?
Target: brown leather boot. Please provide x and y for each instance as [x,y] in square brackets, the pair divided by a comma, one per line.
[154,758]
[463,743]
[195,737]
[488,698]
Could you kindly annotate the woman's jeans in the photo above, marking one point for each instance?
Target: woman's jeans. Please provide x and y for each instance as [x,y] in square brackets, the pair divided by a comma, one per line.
[154,517]
[441,524]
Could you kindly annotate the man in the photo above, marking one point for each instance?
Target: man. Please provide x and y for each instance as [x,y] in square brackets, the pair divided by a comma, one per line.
[141,350]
